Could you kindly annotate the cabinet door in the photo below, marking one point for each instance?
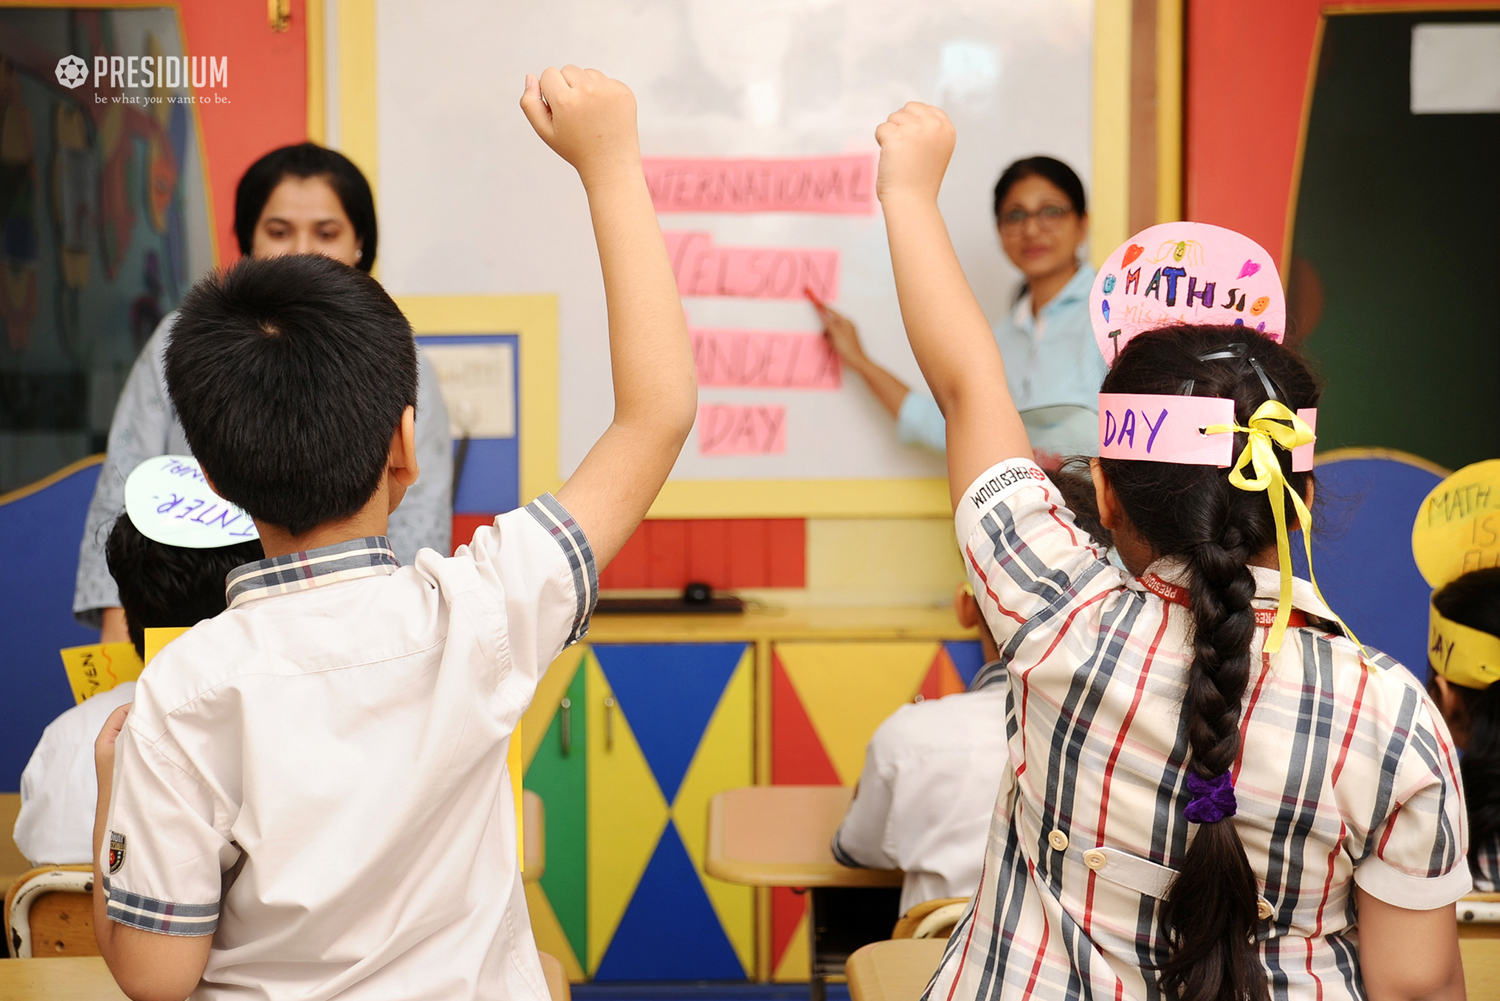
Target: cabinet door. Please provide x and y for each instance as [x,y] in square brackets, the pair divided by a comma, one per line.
[669,726]
[827,699]
[554,743]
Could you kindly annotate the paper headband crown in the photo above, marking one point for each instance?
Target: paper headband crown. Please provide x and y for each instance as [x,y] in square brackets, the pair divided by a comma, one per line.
[1185,272]
[1457,531]
[170,502]
[1464,655]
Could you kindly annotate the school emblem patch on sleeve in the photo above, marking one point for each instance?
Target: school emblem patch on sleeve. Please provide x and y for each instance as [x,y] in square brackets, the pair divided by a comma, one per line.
[116,851]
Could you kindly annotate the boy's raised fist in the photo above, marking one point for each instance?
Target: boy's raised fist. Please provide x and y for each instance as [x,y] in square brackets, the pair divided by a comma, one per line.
[915,145]
[587,118]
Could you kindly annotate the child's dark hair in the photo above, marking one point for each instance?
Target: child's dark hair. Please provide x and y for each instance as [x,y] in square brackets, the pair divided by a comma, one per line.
[163,585]
[1048,169]
[1473,600]
[290,375]
[1195,514]
[307,160]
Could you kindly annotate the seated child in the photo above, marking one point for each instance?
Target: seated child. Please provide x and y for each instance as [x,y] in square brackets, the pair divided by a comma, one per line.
[1471,705]
[927,793]
[309,797]
[1213,791]
[160,585]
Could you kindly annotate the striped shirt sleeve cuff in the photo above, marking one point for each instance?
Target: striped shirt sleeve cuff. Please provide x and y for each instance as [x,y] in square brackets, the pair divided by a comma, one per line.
[580,556]
[992,487]
[160,916]
[1415,893]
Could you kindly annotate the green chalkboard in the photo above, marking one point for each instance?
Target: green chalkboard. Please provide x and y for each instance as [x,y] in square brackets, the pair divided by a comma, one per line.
[1395,270]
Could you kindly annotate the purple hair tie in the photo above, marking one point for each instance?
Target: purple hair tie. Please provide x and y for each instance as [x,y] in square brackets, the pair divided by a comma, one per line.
[1213,799]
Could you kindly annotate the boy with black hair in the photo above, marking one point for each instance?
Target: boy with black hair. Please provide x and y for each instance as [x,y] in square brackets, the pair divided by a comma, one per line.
[160,585]
[310,796]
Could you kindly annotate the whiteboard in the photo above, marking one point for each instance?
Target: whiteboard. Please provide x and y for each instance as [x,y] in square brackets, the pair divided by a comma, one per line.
[472,202]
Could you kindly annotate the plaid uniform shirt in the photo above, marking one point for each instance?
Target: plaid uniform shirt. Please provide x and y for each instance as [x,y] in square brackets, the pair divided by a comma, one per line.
[1346,775]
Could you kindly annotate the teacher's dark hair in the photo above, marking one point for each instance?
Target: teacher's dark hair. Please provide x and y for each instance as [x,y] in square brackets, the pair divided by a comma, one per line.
[1048,169]
[1195,514]
[1473,600]
[301,161]
[290,376]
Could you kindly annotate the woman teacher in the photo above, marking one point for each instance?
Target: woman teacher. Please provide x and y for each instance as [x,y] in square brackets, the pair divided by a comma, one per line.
[1051,361]
[300,199]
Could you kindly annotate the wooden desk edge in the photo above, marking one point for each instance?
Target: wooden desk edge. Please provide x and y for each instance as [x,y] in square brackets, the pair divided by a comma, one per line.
[782,873]
[808,876]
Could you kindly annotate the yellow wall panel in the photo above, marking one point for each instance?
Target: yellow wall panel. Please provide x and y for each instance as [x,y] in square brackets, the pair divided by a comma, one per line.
[848,689]
[548,932]
[627,813]
[724,760]
[795,965]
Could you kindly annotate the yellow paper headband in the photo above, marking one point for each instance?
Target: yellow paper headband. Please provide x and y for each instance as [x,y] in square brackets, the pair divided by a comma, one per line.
[1464,655]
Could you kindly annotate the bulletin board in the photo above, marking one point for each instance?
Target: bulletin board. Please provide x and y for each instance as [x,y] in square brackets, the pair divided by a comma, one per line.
[757,121]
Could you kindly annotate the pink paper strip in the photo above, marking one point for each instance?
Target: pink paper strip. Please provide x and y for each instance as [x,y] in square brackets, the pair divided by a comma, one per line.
[1302,456]
[837,185]
[730,430]
[751,272]
[1164,428]
[765,359]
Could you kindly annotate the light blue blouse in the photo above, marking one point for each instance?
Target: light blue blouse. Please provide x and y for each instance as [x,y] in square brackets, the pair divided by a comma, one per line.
[1051,360]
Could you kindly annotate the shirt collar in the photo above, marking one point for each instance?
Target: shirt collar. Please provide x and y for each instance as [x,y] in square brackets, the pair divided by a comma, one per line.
[351,560]
[991,674]
[1077,289]
[1173,570]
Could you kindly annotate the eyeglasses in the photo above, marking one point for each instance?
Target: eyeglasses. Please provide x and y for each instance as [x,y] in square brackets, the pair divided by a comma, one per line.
[1048,217]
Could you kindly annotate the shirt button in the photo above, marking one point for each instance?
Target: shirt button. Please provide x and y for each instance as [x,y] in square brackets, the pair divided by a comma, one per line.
[1058,840]
[1264,909]
[1095,859]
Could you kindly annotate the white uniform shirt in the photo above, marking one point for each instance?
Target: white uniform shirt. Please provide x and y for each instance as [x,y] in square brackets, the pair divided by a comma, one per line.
[926,796]
[59,789]
[332,749]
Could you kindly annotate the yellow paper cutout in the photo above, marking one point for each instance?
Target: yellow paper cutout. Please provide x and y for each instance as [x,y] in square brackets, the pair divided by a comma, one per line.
[160,636]
[100,667]
[1464,655]
[1457,529]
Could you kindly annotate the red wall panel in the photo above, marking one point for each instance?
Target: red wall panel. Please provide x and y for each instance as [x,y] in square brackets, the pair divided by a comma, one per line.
[723,552]
[1246,82]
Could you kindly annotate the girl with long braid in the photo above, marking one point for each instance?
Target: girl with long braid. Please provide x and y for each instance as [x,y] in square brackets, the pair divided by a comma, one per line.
[1214,791]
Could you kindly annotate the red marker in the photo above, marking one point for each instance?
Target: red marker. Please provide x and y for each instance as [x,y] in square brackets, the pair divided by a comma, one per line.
[813,298]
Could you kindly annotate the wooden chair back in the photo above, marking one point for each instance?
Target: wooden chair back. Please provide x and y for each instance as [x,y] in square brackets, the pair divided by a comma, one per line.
[49,912]
[897,970]
[557,978]
[931,918]
[534,836]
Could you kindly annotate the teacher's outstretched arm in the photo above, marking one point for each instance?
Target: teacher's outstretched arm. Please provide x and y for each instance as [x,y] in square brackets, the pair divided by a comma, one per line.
[948,332]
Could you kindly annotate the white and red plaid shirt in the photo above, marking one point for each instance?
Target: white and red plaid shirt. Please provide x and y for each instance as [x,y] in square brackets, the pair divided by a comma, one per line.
[1346,775]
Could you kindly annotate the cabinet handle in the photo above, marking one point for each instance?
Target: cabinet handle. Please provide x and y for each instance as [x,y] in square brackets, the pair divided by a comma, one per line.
[567,726]
[609,723]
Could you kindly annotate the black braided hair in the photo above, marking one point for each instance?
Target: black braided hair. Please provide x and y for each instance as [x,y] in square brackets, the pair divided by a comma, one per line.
[1195,514]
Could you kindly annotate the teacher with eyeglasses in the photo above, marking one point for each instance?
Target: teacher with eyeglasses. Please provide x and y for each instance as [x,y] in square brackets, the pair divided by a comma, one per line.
[1051,360]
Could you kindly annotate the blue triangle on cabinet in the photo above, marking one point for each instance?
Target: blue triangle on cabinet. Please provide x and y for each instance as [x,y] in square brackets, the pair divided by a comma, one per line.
[668,692]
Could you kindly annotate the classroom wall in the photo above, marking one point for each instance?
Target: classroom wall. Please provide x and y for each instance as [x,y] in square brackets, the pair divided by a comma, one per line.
[1244,99]
[1410,350]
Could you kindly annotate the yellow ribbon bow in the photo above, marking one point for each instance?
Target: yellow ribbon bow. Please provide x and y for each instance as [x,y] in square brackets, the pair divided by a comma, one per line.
[1273,425]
